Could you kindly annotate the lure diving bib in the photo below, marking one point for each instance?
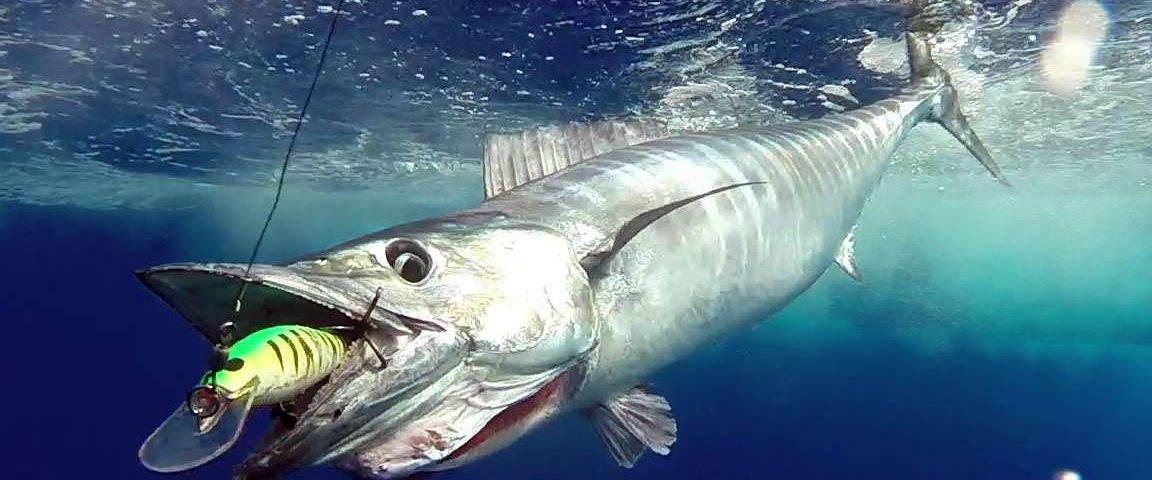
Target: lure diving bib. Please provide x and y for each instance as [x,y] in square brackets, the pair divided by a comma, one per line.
[266,367]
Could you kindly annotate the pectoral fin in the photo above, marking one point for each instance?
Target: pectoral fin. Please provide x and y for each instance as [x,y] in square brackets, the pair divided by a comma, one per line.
[633,421]
[846,257]
[597,261]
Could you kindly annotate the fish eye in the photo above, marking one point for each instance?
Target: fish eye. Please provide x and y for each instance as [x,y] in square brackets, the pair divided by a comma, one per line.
[410,260]
[411,268]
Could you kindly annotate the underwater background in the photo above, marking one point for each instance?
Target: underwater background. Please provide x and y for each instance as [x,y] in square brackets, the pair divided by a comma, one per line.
[1000,333]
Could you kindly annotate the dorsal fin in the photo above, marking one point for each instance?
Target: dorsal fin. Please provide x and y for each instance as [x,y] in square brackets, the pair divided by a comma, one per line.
[513,159]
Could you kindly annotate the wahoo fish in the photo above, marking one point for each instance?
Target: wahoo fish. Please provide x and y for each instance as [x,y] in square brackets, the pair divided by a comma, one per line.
[601,254]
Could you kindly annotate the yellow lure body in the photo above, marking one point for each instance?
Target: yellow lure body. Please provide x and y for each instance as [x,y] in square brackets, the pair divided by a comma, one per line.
[278,362]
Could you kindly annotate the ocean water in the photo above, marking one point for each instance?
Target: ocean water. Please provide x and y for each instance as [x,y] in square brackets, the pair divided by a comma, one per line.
[997,336]
[1000,333]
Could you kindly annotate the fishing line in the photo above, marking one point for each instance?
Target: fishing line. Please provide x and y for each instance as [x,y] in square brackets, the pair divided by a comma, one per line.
[291,147]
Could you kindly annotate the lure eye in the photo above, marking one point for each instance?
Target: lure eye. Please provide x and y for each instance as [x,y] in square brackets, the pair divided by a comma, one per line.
[204,401]
[234,364]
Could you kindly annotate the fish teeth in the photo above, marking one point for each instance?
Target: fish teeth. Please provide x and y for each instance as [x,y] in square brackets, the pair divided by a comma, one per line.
[395,324]
[417,324]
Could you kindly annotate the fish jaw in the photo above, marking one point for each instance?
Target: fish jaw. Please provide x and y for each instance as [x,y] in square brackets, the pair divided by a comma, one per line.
[461,432]
[439,423]
[361,400]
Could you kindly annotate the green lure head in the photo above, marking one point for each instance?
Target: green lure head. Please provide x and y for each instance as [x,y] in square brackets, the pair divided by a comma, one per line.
[226,380]
[275,364]
[236,370]
[212,417]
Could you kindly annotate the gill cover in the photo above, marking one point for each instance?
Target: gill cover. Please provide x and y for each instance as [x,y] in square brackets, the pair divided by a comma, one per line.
[192,436]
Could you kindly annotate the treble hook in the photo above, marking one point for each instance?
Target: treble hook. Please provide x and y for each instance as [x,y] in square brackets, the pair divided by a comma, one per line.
[365,325]
[366,322]
[204,401]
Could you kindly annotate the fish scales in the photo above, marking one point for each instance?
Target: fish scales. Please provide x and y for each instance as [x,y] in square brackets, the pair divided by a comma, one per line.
[739,255]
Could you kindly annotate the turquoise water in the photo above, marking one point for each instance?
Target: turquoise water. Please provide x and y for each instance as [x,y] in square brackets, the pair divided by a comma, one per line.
[999,334]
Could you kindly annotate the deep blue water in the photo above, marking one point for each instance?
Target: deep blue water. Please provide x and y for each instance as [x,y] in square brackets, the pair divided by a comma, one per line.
[95,362]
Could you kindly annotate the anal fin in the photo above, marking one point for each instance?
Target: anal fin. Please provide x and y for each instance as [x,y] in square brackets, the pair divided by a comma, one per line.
[846,256]
[632,422]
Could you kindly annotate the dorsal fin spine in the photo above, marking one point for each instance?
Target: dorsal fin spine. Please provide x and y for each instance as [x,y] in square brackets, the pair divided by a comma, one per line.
[515,158]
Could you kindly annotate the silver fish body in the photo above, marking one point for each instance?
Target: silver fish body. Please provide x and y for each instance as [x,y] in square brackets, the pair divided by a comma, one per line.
[600,256]
[729,260]
[726,261]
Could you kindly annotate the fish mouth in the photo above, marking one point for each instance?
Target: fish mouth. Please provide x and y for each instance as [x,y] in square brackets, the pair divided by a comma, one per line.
[205,294]
[435,404]
[304,429]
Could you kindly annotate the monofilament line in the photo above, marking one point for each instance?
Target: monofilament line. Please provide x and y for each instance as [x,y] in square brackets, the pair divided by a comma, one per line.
[291,147]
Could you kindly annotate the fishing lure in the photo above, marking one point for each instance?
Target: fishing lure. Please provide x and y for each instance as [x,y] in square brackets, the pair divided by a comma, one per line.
[267,367]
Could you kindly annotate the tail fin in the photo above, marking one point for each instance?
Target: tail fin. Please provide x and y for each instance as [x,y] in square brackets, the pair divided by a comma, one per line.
[947,112]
